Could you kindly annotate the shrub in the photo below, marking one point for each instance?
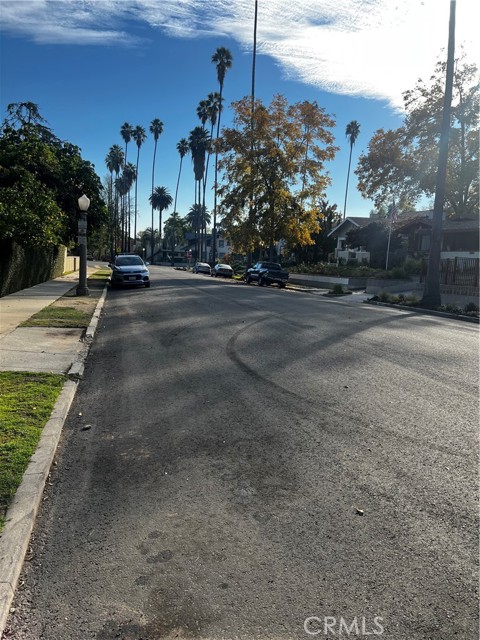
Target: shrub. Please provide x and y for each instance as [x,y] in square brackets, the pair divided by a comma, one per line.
[412,267]
[471,308]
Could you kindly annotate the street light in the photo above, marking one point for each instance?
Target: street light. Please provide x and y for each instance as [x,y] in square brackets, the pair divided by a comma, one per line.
[83,204]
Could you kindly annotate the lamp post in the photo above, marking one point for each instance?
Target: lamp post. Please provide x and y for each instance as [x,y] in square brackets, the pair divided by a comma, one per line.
[83,204]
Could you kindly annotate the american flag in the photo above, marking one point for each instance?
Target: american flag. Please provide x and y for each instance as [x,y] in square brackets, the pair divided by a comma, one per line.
[393,213]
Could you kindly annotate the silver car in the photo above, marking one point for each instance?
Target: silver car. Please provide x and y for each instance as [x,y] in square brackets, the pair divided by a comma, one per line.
[129,270]
[201,267]
[224,270]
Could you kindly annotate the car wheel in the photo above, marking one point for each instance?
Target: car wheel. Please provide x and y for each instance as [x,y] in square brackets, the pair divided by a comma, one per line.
[261,282]
[248,280]
[147,285]
[282,285]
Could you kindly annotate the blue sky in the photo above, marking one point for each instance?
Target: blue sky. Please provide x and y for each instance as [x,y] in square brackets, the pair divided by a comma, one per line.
[92,65]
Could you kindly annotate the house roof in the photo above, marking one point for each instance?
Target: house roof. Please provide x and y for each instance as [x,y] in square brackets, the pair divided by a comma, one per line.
[354,220]
[462,224]
[450,224]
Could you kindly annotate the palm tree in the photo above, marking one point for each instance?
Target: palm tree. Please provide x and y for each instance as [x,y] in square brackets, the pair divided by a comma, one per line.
[129,177]
[199,141]
[202,112]
[182,148]
[139,136]
[156,129]
[205,111]
[114,160]
[196,216]
[126,131]
[222,58]
[160,200]
[352,131]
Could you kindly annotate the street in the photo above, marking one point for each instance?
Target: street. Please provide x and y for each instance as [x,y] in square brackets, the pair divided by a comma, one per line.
[243,462]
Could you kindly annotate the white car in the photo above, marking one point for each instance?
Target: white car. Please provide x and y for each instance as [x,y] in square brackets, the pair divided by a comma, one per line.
[201,267]
[224,270]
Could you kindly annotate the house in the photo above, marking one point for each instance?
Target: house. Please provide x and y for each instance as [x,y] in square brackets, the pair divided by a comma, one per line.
[222,246]
[460,236]
[342,251]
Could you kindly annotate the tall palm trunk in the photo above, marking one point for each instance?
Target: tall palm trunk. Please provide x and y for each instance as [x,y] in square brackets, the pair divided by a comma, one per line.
[175,209]
[153,186]
[200,220]
[136,201]
[348,177]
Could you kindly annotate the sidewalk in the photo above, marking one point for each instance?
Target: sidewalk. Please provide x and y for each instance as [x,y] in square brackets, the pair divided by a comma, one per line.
[37,349]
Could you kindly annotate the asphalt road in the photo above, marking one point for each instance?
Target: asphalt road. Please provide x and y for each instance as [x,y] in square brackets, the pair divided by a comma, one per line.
[239,460]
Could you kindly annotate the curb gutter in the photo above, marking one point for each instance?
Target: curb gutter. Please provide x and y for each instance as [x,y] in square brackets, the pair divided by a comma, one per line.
[427,312]
[21,514]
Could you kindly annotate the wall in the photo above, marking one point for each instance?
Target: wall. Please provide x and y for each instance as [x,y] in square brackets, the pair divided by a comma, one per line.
[326,282]
[23,267]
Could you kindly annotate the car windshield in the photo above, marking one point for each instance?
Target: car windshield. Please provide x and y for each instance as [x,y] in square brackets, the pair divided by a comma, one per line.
[223,266]
[125,261]
[270,265]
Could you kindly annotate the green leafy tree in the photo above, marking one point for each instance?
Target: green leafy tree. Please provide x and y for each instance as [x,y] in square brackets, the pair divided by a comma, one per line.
[328,217]
[41,179]
[403,162]
[276,169]
[147,238]
[374,237]
[174,231]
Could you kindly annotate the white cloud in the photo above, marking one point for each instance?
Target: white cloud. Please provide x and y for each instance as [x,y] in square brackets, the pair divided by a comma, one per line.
[372,48]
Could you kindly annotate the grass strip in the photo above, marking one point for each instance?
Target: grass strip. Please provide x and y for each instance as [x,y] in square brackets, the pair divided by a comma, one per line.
[64,317]
[26,403]
[71,311]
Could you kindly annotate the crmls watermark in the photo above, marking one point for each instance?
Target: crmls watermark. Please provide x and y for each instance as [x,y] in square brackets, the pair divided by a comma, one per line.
[331,626]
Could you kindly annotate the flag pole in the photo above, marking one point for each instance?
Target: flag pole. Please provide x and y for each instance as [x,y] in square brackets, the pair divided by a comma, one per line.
[392,213]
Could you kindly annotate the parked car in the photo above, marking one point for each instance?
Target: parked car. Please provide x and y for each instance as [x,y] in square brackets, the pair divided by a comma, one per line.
[129,270]
[201,267]
[266,273]
[224,270]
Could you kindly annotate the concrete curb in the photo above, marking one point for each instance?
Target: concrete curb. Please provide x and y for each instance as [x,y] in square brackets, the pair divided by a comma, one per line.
[427,312]
[21,514]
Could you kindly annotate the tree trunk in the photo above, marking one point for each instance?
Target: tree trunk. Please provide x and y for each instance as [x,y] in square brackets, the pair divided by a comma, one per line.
[431,295]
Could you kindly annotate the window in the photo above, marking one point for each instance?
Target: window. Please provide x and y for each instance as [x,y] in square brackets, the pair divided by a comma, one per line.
[221,243]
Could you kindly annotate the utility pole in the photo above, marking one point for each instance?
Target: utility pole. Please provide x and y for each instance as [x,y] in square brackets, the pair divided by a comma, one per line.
[431,294]
[252,124]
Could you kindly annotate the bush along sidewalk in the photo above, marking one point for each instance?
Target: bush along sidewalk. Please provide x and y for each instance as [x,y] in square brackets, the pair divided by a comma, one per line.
[471,309]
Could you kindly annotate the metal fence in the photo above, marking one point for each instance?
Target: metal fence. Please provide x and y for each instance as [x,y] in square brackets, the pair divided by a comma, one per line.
[460,271]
